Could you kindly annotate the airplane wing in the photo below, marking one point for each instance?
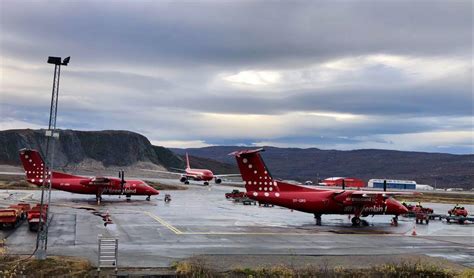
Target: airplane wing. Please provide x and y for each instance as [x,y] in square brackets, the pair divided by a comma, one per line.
[384,193]
[163,172]
[13,173]
[177,169]
[228,175]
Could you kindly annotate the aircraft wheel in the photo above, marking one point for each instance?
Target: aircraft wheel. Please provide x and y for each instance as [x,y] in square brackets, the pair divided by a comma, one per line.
[317,217]
[206,183]
[355,221]
[129,197]
[148,198]
[186,182]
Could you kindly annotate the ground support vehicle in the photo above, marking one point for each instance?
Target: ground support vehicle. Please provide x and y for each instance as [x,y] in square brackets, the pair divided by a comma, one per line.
[10,217]
[34,217]
[458,211]
[235,194]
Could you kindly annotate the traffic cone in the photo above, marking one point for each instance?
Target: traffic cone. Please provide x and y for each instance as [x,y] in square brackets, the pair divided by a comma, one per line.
[414,231]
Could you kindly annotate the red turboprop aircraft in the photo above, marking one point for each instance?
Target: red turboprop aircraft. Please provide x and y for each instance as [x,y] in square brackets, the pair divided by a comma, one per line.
[197,174]
[37,173]
[262,187]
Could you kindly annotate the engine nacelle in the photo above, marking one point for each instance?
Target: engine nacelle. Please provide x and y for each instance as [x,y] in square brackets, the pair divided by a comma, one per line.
[218,180]
[183,179]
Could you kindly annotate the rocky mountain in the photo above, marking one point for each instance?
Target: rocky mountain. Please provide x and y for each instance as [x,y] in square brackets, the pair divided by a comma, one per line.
[89,148]
[446,170]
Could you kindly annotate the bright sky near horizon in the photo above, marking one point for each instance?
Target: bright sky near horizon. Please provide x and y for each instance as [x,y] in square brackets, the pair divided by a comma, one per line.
[327,74]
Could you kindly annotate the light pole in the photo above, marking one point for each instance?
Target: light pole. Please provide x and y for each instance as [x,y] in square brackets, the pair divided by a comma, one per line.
[42,237]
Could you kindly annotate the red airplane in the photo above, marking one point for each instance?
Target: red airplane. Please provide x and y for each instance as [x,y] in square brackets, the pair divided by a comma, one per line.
[37,173]
[197,174]
[262,187]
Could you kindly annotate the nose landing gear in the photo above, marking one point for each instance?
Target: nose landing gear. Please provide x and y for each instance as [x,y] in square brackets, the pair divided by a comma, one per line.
[317,217]
[395,221]
[148,198]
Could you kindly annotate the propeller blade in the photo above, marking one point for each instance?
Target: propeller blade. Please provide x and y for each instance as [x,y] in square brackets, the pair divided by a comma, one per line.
[122,181]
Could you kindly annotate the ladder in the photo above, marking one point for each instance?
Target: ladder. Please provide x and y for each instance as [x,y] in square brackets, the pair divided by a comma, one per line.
[108,253]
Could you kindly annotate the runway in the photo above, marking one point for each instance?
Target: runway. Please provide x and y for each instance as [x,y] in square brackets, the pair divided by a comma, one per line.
[202,221]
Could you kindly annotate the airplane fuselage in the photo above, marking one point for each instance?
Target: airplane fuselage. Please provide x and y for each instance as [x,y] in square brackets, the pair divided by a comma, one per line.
[199,174]
[323,202]
[83,185]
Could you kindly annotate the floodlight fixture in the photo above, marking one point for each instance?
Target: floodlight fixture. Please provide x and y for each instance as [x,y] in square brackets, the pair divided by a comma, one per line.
[54,60]
[66,61]
[57,61]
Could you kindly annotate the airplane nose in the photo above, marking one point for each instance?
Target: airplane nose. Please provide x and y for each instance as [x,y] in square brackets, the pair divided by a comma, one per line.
[402,209]
[395,207]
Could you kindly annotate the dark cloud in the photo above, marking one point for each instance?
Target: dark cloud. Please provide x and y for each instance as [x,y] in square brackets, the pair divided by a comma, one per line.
[245,34]
[156,67]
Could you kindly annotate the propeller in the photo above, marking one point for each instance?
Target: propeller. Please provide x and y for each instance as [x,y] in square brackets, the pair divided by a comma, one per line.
[122,181]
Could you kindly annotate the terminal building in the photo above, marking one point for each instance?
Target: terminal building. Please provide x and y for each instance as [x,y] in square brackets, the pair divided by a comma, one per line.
[392,184]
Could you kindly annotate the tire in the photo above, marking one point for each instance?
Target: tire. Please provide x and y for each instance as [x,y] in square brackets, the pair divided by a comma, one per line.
[355,221]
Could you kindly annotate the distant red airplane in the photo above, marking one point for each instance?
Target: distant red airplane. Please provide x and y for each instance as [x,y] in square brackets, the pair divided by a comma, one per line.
[37,173]
[196,174]
[262,187]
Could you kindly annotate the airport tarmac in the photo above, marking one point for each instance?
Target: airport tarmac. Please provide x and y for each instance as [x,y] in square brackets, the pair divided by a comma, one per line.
[201,221]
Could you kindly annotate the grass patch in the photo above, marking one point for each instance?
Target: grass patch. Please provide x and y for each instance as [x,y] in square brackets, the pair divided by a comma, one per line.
[197,268]
[16,184]
[446,198]
[194,267]
[15,266]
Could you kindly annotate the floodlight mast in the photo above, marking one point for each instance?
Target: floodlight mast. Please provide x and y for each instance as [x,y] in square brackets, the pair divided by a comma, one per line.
[42,237]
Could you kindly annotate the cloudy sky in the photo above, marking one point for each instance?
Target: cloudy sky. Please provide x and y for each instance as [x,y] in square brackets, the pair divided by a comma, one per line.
[332,75]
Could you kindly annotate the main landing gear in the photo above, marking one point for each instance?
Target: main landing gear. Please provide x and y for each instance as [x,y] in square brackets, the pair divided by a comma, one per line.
[128,198]
[186,182]
[317,217]
[395,221]
[356,221]
[206,183]
[98,199]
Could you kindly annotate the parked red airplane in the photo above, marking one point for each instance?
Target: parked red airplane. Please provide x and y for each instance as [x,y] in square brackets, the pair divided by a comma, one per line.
[36,173]
[197,174]
[262,187]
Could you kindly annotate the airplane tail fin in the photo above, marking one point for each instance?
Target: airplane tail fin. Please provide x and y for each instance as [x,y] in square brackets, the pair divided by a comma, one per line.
[187,161]
[256,175]
[254,171]
[34,165]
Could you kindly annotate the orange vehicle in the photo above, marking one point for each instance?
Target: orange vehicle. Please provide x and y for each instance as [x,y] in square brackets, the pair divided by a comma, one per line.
[10,217]
[235,194]
[24,209]
[34,217]
[458,211]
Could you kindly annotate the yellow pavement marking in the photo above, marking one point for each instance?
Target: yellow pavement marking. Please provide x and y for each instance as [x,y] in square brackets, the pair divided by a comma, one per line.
[164,223]
[179,232]
[322,233]
[285,234]
[26,197]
